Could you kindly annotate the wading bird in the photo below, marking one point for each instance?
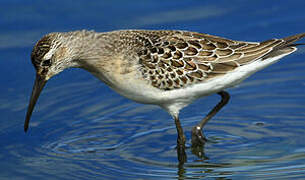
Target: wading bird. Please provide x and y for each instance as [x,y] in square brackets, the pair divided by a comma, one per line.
[170,69]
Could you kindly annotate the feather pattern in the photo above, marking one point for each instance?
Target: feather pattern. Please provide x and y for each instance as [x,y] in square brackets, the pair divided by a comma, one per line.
[175,59]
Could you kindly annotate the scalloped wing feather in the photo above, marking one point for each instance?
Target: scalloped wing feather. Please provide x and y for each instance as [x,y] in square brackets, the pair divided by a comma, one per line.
[175,59]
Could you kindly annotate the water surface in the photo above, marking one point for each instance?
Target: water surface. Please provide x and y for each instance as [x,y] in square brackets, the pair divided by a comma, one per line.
[81,129]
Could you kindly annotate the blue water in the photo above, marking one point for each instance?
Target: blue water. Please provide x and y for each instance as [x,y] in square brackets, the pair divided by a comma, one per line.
[81,129]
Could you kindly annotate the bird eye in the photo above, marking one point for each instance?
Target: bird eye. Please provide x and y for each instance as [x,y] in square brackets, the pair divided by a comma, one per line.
[46,62]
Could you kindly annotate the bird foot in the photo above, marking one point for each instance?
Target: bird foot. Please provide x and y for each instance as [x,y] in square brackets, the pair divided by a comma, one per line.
[199,152]
[198,139]
[182,158]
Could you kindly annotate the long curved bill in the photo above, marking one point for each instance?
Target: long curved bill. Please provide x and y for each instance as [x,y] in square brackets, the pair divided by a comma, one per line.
[38,86]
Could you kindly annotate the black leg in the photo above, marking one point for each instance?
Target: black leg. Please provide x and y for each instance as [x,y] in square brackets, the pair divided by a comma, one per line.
[197,135]
[180,141]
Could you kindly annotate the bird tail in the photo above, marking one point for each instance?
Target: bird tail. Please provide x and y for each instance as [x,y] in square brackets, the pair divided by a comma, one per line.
[288,41]
[286,47]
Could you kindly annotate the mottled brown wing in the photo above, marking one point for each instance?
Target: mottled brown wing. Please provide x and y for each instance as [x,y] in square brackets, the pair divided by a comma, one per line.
[175,59]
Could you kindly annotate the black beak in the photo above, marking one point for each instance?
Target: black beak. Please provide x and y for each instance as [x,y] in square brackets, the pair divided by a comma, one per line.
[38,86]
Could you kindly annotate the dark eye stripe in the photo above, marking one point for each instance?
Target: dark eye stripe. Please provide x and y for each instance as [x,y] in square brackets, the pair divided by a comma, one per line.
[47,62]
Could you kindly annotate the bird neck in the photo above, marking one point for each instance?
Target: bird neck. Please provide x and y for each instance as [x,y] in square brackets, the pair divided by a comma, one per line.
[89,48]
[94,52]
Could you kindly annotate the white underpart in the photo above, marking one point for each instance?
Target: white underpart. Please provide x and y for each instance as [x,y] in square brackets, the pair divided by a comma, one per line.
[174,100]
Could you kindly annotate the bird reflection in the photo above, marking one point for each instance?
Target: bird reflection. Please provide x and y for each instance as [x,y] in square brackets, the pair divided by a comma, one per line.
[203,166]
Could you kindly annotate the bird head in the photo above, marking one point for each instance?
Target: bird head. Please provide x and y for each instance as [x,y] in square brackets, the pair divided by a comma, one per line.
[50,56]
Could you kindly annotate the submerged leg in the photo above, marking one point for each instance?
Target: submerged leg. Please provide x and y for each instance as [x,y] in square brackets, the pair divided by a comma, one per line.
[180,141]
[197,135]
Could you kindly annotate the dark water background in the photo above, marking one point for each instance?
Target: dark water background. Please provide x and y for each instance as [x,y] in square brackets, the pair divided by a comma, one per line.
[81,129]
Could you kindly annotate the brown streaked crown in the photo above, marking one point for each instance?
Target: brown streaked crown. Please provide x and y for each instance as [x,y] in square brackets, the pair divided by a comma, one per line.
[42,47]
